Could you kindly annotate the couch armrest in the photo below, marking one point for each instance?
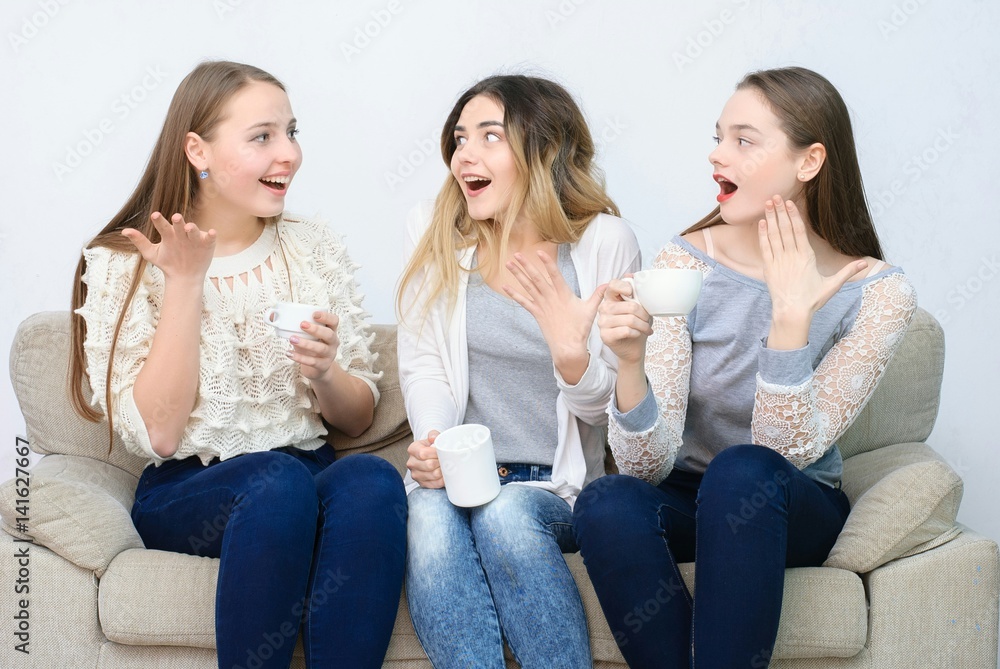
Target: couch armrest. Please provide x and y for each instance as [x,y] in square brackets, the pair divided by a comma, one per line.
[904,499]
[78,508]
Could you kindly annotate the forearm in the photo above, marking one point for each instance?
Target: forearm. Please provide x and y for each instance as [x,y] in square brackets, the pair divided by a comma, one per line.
[167,385]
[346,402]
[789,331]
[571,361]
[630,387]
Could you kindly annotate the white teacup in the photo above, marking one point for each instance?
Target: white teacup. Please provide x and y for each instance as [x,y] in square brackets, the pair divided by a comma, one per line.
[287,317]
[468,464]
[667,291]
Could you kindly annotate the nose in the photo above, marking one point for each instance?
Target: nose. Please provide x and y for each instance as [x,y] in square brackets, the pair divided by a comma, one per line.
[466,154]
[289,151]
[716,156]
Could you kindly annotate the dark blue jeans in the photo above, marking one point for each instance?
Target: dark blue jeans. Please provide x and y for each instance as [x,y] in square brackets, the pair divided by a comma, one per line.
[755,514]
[303,541]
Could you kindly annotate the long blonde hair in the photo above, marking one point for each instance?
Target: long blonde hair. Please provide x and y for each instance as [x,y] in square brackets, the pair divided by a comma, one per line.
[812,111]
[168,185]
[560,189]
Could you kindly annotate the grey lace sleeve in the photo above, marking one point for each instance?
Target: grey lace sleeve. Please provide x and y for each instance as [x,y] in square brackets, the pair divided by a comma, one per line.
[649,454]
[802,421]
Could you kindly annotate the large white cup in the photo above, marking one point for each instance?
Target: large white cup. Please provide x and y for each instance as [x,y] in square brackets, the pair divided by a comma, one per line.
[286,318]
[468,464]
[667,291]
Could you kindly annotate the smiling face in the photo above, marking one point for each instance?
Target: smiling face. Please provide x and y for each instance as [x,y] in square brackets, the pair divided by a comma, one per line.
[483,162]
[753,160]
[252,155]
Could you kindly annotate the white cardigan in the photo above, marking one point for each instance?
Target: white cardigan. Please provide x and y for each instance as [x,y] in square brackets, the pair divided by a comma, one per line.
[434,358]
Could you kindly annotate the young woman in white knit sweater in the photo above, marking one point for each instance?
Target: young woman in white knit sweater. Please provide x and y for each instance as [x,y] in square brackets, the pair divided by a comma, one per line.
[169,330]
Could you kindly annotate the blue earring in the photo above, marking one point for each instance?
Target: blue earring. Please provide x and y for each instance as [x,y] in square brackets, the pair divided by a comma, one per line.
[203,174]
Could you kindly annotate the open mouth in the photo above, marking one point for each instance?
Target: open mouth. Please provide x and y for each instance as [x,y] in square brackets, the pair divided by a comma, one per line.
[726,188]
[476,184]
[277,183]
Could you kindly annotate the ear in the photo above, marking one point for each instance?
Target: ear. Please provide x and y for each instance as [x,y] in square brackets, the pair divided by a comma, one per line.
[197,150]
[811,161]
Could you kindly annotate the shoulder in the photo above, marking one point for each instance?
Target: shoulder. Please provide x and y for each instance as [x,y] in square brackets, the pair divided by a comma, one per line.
[606,229]
[680,253]
[891,287]
[104,263]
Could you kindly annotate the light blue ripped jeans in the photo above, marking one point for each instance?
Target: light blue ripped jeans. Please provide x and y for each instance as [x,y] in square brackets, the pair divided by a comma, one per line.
[477,577]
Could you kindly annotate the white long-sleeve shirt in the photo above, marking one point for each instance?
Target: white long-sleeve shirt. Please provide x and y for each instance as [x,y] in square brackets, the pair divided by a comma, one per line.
[434,366]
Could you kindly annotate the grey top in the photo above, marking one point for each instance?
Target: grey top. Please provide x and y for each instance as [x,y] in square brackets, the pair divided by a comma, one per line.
[728,330]
[512,389]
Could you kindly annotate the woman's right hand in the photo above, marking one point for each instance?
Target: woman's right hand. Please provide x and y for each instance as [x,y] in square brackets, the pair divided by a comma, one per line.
[423,462]
[624,324]
[184,251]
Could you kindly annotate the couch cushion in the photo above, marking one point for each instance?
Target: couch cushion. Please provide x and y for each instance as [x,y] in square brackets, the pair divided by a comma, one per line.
[79,509]
[905,404]
[903,497]
[390,425]
[39,360]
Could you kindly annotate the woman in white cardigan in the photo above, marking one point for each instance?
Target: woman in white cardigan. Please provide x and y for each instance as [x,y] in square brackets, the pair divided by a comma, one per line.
[498,301]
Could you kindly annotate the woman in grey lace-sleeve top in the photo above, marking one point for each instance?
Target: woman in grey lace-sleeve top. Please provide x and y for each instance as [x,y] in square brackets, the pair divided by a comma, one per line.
[724,422]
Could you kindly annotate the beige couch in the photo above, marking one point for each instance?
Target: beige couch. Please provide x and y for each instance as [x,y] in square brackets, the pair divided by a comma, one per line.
[903,587]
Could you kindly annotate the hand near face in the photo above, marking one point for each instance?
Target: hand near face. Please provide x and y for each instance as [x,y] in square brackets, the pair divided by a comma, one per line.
[183,252]
[317,358]
[423,463]
[798,289]
[564,318]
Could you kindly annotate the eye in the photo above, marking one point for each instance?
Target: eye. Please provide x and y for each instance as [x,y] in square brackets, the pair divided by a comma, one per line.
[262,137]
[492,137]
[716,140]
[460,140]
[293,133]
[743,141]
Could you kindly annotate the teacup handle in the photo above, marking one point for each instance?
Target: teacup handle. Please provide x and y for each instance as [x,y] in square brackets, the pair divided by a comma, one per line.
[270,315]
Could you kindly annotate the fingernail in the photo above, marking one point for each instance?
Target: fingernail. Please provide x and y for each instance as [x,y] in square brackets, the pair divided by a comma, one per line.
[293,339]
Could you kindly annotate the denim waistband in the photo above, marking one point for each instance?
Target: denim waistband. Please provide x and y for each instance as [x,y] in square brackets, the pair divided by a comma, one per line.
[511,472]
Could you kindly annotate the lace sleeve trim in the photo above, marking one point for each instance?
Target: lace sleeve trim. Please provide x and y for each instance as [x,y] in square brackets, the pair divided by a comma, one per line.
[650,455]
[803,421]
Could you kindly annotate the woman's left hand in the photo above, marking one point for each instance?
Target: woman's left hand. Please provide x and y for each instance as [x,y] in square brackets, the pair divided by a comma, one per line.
[565,319]
[797,288]
[317,358]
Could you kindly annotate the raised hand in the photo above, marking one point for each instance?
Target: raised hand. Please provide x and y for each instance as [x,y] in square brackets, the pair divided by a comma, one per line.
[183,252]
[624,324]
[423,462]
[796,286]
[317,358]
[564,319]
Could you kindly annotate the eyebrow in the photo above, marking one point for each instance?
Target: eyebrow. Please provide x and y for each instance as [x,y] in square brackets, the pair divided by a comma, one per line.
[483,124]
[740,127]
[271,124]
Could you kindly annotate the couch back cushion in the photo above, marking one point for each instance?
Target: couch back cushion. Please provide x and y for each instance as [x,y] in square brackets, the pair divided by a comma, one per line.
[904,407]
[39,360]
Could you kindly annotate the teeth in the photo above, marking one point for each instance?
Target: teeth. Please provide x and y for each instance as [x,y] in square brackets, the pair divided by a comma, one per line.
[275,180]
[723,180]
[471,179]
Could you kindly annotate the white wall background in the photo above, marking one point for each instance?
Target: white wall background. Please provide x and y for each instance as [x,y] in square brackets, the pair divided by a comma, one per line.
[86,85]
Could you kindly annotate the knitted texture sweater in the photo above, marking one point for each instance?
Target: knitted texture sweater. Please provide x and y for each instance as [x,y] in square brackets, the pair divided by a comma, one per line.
[250,397]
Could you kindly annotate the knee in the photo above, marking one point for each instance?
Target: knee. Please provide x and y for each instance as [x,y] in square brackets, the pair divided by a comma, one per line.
[433,530]
[277,483]
[366,483]
[606,504]
[746,469]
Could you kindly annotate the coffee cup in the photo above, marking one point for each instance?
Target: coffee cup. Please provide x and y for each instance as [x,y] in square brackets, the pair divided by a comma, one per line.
[468,464]
[287,317]
[666,291]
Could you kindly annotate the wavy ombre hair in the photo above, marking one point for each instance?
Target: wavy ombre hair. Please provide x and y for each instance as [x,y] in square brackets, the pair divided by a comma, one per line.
[812,111]
[559,188]
[169,185]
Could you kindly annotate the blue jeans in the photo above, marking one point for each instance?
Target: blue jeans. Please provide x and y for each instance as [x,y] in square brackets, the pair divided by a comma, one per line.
[478,576]
[302,541]
[755,514]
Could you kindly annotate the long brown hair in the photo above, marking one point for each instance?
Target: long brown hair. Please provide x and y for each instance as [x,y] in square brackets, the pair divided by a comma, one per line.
[812,111]
[168,185]
[560,189]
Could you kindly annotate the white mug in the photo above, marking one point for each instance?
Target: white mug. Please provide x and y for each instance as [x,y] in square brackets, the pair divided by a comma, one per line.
[667,291]
[468,464]
[286,318]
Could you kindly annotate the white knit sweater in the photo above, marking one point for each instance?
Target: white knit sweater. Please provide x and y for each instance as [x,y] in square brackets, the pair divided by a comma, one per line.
[251,397]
